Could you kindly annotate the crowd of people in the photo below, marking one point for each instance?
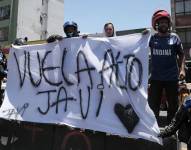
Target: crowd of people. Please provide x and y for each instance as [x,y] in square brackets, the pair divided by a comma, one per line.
[167,68]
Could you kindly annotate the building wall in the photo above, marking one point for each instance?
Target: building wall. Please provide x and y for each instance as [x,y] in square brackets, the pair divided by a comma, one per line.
[5,13]
[56,17]
[31,15]
[7,20]
[181,19]
[28,20]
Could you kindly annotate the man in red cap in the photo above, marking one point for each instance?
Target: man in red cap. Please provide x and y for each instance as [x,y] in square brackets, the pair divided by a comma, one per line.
[165,47]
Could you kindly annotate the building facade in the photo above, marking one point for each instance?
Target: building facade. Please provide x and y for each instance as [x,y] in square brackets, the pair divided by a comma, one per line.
[35,19]
[181,22]
[7,20]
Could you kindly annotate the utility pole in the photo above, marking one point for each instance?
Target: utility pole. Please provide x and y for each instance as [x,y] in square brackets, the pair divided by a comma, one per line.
[173,15]
[44,19]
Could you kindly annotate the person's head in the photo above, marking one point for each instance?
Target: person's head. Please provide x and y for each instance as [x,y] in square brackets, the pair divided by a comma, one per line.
[71,29]
[161,21]
[109,29]
[20,41]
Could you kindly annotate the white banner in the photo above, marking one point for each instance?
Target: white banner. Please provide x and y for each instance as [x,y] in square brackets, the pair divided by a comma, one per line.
[78,81]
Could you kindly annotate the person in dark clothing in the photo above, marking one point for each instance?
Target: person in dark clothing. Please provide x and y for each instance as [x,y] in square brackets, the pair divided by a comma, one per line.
[20,41]
[182,123]
[3,73]
[165,47]
[3,65]
[70,29]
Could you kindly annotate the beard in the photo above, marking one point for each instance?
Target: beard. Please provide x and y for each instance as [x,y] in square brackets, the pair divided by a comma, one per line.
[163,29]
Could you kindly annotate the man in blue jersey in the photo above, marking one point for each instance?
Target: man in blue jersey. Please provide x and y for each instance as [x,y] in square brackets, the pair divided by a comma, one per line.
[166,52]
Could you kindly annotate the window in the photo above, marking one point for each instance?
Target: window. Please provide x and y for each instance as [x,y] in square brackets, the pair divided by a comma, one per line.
[188,36]
[188,7]
[185,36]
[5,12]
[183,7]
[179,7]
[4,34]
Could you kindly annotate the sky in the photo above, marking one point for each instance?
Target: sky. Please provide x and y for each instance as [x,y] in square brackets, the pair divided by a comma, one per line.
[91,15]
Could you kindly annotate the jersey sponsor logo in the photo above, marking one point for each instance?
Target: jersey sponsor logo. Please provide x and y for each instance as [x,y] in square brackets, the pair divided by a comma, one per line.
[162,52]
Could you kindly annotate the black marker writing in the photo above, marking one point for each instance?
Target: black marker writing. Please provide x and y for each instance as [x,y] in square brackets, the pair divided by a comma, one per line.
[62,69]
[37,83]
[87,69]
[81,107]
[22,79]
[44,69]
[100,102]
[48,101]
[66,99]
